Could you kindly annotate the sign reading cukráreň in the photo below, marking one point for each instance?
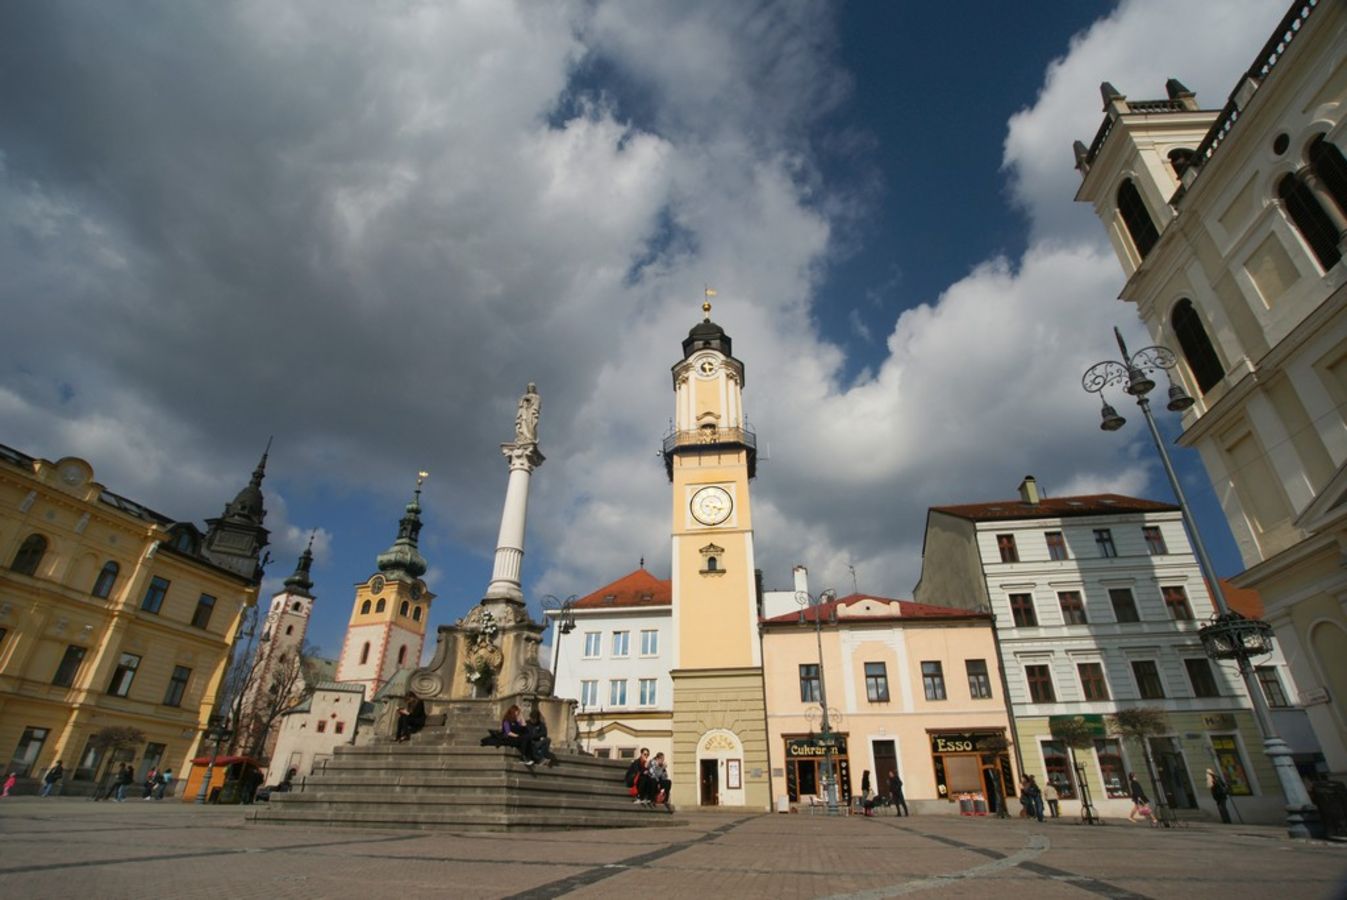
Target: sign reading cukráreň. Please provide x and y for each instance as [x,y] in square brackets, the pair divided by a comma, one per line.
[816,747]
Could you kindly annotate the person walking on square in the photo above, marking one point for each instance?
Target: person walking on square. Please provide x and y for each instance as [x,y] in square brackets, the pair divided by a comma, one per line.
[165,779]
[1052,797]
[1220,793]
[9,784]
[150,777]
[52,778]
[865,792]
[1033,797]
[896,795]
[1141,804]
[124,778]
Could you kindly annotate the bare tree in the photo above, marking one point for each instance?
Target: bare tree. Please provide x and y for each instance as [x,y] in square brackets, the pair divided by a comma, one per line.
[1077,734]
[267,693]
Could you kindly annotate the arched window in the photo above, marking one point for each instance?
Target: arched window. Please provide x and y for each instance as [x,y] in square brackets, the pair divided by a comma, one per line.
[380,606]
[296,607]
[289,629]
[404,609]
[1310,220]
[402,654]
[30,555]
[1327,162]
[106,579]
[711,564]
[416,614]
[1137,218]
[1196,346]
[364,607]
[364,653]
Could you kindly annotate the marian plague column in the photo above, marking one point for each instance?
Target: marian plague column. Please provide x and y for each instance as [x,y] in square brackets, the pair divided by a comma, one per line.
[719,718]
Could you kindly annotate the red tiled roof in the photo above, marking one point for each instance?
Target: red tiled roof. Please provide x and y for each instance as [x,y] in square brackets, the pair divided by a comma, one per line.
[907,609]
[638,588]
[1055,508]
[1245,601]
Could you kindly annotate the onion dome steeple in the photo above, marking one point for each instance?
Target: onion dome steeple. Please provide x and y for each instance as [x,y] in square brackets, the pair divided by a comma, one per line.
[403,558]
[706,335]
[300,583]
[235,540]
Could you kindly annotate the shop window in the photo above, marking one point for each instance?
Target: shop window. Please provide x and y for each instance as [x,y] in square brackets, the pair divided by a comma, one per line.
[155,594]
[205,605]
[1176,601]
[1155,541]
[933,679]
[1136,218]
[123,675]
[979,681]
[1093,684]
[27,752]
[809,683]
[1057,769]
[1056,545]
[1073,607]
[1231,761]
[177,686]
[1147,675]
[876,682]
[1039,679]
[106,579]
[1196,346]
[30,554]
[1005,543]
[69,667]
[154,755]
[1124,605]
[1103,539]
[1112,767]
[1022,609]
[1201,677]
[1272,686]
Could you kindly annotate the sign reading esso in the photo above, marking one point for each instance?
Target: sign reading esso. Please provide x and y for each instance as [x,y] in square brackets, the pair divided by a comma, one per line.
[959,744]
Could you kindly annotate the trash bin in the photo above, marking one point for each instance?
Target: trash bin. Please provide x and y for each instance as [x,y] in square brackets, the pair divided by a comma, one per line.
[1331,799]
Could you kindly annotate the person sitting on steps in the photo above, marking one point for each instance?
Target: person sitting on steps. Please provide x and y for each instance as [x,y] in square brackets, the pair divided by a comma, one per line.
[537,745]
[411,717]
[638,777]
[658,776]
[513,730]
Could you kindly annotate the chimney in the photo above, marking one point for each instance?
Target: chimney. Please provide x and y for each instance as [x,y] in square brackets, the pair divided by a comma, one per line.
[801,580]
[1029,491]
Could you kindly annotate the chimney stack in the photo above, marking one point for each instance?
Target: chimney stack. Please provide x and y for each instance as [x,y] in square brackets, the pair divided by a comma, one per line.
[801,580]
[1029,491]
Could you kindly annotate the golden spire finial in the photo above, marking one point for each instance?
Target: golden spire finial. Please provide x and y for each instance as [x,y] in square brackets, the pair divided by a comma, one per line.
[707,294]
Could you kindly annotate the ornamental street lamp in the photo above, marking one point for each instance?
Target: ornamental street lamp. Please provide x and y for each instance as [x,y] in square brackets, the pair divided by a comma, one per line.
[1229,636]
[829,779]
[565,622]
[218,732]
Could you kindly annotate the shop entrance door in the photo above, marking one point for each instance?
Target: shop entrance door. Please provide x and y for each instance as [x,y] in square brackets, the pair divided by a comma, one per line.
[886,761]
[1172,773]
[710,781]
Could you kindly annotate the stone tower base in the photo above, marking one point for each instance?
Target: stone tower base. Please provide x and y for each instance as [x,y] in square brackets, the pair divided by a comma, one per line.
[720,734]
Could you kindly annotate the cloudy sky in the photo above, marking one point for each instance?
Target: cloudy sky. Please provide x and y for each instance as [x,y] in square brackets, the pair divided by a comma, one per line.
[364,227]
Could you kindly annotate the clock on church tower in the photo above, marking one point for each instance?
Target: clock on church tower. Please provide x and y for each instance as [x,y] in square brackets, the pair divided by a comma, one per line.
[719,744]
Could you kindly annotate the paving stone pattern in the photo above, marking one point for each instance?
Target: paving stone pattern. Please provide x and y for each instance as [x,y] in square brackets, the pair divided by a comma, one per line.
[68,847]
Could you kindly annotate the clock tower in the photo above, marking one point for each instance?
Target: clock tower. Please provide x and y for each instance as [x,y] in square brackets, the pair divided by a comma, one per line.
[388,618]
[720,739]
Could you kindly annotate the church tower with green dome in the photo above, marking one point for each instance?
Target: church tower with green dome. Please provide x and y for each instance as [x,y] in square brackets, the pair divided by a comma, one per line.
[388,617]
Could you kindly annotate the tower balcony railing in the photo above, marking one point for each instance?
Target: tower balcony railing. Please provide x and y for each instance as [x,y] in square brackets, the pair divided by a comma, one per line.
[711,439]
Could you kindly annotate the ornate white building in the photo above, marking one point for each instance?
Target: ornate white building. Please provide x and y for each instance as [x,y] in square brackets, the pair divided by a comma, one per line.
[1230,226]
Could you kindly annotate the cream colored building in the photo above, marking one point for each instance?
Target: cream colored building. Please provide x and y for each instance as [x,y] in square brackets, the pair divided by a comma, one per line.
[1230,226]
[916,690]
[112,614]
[615,664]
[719,736]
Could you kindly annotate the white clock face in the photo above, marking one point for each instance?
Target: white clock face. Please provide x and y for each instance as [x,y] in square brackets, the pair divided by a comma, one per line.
[712,505]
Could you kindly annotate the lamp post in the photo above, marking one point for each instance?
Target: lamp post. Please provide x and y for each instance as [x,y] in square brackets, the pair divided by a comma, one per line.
[829,770]
[216,731]
[565,622]
[1229,635]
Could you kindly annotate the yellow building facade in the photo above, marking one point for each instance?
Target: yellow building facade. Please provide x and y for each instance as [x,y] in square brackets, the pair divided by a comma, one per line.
[911,688]
[112,615]
[719,738]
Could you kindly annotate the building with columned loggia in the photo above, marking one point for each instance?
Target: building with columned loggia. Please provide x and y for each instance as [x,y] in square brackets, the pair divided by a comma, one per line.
[1231,225]
[113,615]
[719,715]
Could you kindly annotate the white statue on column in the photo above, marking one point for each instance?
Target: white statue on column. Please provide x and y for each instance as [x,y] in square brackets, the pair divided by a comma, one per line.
[526,419]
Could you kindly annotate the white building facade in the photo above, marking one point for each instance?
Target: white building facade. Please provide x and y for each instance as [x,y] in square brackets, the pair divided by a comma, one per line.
[1231,228]
[1097,603]
[615,664]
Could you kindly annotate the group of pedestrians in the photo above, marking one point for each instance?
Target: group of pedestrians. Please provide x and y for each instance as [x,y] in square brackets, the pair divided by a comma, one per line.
[648,779]
[895,790]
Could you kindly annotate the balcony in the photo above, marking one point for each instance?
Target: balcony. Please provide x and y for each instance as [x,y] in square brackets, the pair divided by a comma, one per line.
[712,439]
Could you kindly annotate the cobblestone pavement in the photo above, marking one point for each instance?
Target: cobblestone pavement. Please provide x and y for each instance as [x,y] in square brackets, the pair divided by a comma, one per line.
[73,848]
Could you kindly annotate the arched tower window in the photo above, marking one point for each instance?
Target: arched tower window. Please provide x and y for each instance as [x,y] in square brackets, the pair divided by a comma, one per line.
[296,607]
[1137,218]
[106,579]
[402,654]
[712,564]
[1327,162]
[1196,346]
[402,611]
[289,629]
[364,653]
[416,614]
[380,606]
[30,554]
[364,607]
[1310,219]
